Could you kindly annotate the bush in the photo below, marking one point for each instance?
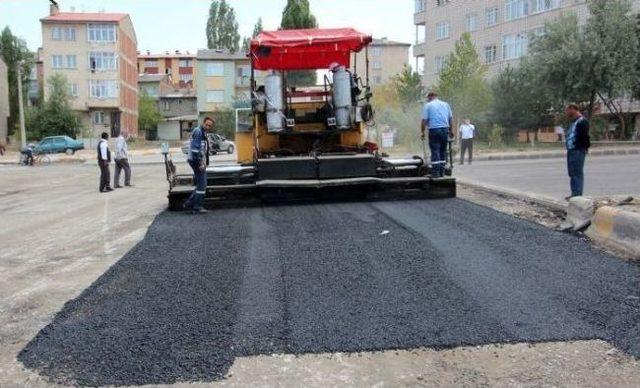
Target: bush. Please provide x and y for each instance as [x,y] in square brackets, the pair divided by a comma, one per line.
[496,136]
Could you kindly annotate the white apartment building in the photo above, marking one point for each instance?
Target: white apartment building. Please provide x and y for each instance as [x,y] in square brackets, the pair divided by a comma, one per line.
[500,29]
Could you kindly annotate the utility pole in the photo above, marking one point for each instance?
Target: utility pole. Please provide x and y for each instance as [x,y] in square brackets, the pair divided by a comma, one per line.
[23,132]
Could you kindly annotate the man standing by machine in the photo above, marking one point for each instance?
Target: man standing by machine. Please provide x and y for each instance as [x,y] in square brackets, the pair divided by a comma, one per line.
[198,160]
[437,118]
[104,158]
[122,161]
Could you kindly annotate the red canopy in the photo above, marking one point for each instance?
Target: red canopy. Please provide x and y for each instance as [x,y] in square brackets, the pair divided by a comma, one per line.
[306,49]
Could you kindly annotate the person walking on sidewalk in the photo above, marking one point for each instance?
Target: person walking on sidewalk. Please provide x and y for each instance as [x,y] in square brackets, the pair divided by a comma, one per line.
[198,160]
[122,161]
[104,158]
[436,118]
[467,133]
[577,143]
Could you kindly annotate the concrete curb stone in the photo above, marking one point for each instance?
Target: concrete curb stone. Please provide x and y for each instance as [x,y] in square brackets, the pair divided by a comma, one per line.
[617,228]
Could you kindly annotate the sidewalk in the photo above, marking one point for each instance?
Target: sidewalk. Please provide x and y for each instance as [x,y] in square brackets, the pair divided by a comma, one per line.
[599,151]
[85,156]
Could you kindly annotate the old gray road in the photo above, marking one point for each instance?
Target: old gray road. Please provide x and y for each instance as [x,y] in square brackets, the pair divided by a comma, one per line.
[604,175]
[200,291]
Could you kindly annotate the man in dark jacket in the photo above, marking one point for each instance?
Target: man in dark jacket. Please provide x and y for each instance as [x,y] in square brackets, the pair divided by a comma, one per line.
[578,143]
[198,159]
[104,158]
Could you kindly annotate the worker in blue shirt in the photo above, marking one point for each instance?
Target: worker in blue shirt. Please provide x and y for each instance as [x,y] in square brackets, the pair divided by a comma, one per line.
[198,160]
[437,118]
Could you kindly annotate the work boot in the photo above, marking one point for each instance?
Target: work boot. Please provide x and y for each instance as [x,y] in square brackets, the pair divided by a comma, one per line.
[199,211]
[117,187]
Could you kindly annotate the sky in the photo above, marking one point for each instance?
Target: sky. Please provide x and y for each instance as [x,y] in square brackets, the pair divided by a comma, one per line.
[163,25]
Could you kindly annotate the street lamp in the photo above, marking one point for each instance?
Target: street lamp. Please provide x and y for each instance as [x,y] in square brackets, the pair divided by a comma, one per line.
[23,132]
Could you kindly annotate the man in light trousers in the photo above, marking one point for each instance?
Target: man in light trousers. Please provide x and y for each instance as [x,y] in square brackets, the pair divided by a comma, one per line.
[122,161]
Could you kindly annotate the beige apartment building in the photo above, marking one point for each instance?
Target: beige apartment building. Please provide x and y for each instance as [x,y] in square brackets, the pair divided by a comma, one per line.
[386,59]
[4,101]
[97,52]
[500,29]
[181,67]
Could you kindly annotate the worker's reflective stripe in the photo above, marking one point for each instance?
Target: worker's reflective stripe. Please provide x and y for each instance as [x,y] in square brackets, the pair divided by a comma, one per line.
[200,192]
[439,162]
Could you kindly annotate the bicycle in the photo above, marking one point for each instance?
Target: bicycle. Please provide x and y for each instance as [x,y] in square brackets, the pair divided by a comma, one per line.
[35,159]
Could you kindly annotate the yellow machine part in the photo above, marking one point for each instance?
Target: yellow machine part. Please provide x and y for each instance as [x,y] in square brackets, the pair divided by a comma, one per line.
[259,139]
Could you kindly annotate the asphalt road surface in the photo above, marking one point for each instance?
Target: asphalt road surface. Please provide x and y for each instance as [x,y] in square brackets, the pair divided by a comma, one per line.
[199,291]
[604,175]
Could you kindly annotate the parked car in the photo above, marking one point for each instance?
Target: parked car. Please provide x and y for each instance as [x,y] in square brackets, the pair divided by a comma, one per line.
[58,144]
[217,143]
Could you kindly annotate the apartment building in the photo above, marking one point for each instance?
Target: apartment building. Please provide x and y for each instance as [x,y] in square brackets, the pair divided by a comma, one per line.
[180,66]
[97,54]
[4,101]
[500,29]
[223,78]
[386,59]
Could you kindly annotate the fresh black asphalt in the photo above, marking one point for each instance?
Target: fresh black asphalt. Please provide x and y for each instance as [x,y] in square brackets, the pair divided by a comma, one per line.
[199,291]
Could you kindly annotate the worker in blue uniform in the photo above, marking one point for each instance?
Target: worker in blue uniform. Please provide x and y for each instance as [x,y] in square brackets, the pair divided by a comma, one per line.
[198,158]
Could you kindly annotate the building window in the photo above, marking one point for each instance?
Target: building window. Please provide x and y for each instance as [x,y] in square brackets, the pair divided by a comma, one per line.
[98,117]
[514,46]
[103,88]
[56,33]
[151,91]
[439,63]
[441,2]
[165,105]
[57,61]
[71,61]
[421,33]
[185,63]
[491,16]
[150,63]
[544,5]
[215,69]
[376,51]
[490,53]
[101,32]
[186,78]
[471,22]
[376,65]
[102,60]
[442,30]
[216,96]
[420,65]
[538,32]
[70,34]
[419,6]
[516,9]
[73,90]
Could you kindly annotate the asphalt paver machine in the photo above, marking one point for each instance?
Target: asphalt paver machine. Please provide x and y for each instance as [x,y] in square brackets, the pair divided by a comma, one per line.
[301,142]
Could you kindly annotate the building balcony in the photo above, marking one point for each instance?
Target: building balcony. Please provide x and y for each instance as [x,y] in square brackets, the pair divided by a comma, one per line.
[420,17]
[419,49]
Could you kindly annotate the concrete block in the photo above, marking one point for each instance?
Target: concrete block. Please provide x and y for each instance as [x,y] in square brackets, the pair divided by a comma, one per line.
[579,212]
[618,229]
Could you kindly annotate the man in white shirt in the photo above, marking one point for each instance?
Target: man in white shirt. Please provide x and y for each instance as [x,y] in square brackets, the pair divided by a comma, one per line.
[467,132]
[104,158]
[122,161]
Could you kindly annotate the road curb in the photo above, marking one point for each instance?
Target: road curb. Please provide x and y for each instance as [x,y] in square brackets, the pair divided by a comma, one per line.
[556,154]
[541,200]
[616,228]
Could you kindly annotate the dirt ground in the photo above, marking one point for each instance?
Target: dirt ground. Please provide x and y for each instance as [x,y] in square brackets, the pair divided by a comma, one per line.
[59,235]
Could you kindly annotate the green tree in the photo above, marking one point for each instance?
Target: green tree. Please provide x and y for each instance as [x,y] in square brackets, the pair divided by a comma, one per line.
[596,61]
[13,52]
[519,101]
[148,114]
[462,82]
[55,117]
[222,27]
[297,15]
[408,86]
[257,29]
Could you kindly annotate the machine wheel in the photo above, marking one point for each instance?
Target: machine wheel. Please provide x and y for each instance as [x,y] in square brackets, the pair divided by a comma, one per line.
[70,151]
[230,149]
